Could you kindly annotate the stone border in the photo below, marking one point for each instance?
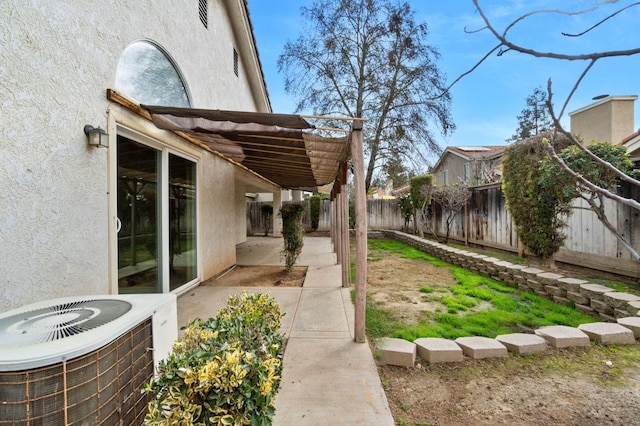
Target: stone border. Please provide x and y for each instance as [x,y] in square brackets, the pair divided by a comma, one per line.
[621,312]
[400,352]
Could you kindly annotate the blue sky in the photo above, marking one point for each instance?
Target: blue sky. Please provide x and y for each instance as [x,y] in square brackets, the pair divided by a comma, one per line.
[486,103]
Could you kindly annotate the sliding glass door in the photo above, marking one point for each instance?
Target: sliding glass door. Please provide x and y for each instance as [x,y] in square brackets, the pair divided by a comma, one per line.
[182,221]
[157,245]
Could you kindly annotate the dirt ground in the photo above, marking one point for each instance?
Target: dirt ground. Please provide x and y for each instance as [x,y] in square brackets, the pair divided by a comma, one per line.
[260,276]
[561,387]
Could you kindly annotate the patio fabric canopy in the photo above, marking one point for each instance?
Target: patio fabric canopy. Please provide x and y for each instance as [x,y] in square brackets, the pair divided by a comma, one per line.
[279,147]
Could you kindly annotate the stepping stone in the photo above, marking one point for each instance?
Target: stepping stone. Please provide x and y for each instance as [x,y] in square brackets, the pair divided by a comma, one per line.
[634,308]
[522,343]
[571,284]
[394,351]
[531,271]
[549,278]
[608,333]
[620,300]
[435,349]
[632,323]
[594,291]
[478,347]
[562,336]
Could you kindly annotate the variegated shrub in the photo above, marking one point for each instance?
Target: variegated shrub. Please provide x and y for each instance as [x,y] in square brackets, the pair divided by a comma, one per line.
[223,371]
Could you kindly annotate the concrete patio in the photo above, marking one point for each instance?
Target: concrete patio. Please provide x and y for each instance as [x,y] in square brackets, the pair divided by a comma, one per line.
[328,379]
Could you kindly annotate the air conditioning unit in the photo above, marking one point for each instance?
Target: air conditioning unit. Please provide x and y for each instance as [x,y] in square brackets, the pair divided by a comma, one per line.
[83,360]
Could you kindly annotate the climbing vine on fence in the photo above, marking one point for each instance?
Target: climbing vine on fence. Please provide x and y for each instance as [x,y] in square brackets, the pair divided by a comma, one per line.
[537,203]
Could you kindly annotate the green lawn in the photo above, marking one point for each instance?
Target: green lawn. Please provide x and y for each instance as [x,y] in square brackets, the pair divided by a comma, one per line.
[505,309]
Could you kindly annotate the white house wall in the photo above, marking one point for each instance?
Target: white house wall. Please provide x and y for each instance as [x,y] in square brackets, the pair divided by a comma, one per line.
[218,218]
[56,61]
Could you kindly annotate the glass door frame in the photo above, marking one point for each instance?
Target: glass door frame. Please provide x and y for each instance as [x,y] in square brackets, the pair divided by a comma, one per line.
[165,147]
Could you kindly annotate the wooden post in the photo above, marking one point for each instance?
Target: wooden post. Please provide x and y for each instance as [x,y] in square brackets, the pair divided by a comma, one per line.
[344,209]
[338,229]
[277,220]
[357,156]
[466,222]
[332,220]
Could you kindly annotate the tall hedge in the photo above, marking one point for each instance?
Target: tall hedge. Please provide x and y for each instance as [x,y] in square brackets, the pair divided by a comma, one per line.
[292,232]
[267,213]
[314,207]
[537,203]
[417,184]
[420,199]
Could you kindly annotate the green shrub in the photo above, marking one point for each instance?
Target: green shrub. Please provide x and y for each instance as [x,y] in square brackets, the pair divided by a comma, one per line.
[267,214]
[223,371]
[314,207]
[417,187]
[406,208]
[292,232]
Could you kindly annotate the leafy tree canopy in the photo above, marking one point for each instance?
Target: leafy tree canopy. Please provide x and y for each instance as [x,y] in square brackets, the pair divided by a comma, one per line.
[535,118]
[371,59]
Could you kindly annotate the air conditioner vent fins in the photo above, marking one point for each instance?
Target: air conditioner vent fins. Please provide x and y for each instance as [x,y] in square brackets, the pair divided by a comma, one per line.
[59,321]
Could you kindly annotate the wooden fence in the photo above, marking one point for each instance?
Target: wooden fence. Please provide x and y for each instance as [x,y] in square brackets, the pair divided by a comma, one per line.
[486,223]
[256,221]
[588,242]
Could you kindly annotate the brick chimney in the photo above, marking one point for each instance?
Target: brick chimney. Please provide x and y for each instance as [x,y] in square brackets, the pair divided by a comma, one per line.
[609,119]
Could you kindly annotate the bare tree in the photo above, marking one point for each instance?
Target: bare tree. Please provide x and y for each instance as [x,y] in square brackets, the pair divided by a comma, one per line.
[452,199]
[370,58]
[506,44]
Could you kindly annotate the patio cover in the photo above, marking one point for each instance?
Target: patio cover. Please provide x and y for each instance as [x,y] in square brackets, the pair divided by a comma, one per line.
[279,147]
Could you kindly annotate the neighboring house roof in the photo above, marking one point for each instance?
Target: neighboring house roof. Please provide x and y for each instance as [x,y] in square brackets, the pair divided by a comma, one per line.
[471,153]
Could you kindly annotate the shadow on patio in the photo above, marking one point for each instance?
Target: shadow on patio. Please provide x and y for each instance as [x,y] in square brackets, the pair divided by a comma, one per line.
[328,378]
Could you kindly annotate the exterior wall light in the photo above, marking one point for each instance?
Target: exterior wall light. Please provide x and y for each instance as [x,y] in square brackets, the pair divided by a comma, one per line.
[97,137]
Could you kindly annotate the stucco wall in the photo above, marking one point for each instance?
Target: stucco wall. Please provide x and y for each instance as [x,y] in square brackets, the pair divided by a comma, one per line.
[608,120]
[217,216]
[56,61]
[455,166]
[53,226]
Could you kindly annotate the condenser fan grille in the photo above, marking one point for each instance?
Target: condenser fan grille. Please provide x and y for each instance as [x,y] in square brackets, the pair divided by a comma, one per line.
[59,321]
[103,387]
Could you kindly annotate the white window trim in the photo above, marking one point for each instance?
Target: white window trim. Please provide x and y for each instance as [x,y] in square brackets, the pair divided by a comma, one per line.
[122,122]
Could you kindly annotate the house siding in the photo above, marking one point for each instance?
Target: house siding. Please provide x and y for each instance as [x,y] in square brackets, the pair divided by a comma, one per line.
[455,165]
[58,61]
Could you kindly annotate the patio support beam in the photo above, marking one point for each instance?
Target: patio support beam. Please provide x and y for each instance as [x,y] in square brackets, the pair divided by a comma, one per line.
[357,156]
[338,243]
[332,221]
[277,220]
[344,211]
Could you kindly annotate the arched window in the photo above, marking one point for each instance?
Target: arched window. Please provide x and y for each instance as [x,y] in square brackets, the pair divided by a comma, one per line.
[146,74]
